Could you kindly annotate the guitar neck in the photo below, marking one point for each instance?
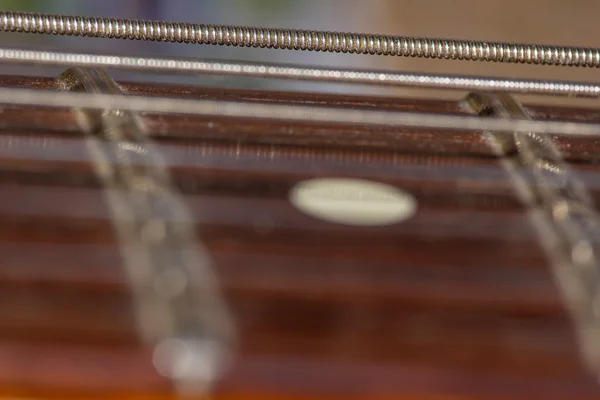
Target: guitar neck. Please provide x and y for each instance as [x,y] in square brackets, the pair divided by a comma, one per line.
[165,241]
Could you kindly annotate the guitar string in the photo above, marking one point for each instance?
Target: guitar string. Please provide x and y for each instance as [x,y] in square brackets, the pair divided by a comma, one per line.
[293,39]
[562,212]
[296,72]
[179,307]
[283,112]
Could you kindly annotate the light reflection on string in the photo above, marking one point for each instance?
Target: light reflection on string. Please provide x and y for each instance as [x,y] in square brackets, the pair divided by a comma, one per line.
[269,111]
[278,71]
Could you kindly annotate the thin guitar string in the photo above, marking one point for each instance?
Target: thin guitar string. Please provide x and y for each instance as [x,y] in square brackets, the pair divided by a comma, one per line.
[282,112]
[297,72]
[294,39]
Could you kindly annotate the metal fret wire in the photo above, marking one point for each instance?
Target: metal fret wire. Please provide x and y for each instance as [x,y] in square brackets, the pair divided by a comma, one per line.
[282,112]
[563,213]
[180,309]
[292,39]
[198,66]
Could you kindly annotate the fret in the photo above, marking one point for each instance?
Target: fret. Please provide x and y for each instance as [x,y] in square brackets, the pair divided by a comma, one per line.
[178,305]
[564,215]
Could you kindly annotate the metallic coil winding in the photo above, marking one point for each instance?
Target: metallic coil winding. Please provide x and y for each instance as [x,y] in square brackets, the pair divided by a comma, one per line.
[292,39]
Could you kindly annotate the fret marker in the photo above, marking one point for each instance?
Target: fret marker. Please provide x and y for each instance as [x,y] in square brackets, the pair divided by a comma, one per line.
[353,201]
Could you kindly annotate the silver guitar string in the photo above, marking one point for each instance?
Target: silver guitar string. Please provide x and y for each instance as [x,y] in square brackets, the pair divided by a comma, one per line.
[563,213]
[265,70]
[283,112]
[293,39]
[178,304]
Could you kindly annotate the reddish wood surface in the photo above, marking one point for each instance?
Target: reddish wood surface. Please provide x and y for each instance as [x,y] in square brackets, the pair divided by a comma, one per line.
[456,303]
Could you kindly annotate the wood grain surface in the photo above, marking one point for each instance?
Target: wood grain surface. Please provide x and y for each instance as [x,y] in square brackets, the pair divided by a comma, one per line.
[456,303]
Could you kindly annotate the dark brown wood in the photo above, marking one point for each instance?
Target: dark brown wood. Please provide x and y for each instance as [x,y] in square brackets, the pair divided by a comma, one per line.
[457,302]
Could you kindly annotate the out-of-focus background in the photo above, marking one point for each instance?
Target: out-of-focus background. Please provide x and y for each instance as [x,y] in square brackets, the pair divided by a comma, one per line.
[549,21]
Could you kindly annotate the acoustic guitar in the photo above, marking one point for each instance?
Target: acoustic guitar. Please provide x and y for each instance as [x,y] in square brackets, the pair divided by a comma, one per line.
[162,241]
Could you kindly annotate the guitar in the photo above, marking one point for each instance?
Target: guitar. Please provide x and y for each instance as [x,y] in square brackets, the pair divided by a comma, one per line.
[170,241]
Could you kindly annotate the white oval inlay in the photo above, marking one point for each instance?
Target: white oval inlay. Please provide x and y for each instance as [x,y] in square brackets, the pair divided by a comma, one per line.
[353,201]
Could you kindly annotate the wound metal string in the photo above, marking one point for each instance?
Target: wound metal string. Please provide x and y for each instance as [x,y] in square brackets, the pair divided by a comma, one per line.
[294,39]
